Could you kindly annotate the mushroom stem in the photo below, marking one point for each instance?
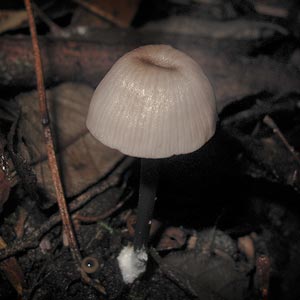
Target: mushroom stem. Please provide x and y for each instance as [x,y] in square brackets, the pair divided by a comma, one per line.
[149,174]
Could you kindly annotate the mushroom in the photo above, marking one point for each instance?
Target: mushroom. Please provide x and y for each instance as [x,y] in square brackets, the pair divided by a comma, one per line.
[155,102]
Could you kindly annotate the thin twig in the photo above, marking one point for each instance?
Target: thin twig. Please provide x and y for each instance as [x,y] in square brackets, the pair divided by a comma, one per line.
[34,239]
[49,140]
[270,123]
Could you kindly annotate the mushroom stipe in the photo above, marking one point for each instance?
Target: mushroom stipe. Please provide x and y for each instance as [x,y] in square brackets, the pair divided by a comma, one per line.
[149,175]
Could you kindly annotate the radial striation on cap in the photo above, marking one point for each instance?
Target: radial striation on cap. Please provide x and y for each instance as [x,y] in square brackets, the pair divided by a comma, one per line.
[154,102]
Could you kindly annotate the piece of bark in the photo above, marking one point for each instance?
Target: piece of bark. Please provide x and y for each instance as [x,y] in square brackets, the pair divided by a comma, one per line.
[233,76]
[83,160]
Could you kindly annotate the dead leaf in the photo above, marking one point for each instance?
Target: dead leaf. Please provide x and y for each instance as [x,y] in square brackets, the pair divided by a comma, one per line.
[12,19]
[209,276]
[120,12]
[12,270]
[82,159]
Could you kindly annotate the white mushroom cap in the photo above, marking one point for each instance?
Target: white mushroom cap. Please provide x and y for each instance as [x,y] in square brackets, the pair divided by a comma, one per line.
[155,102]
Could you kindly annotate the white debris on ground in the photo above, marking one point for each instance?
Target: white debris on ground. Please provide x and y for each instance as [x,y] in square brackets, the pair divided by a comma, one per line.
[132,263]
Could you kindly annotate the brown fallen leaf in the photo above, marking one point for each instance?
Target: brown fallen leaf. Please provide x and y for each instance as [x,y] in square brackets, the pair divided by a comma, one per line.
[12,19]
[119,12]
[82,159]
[12,270]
